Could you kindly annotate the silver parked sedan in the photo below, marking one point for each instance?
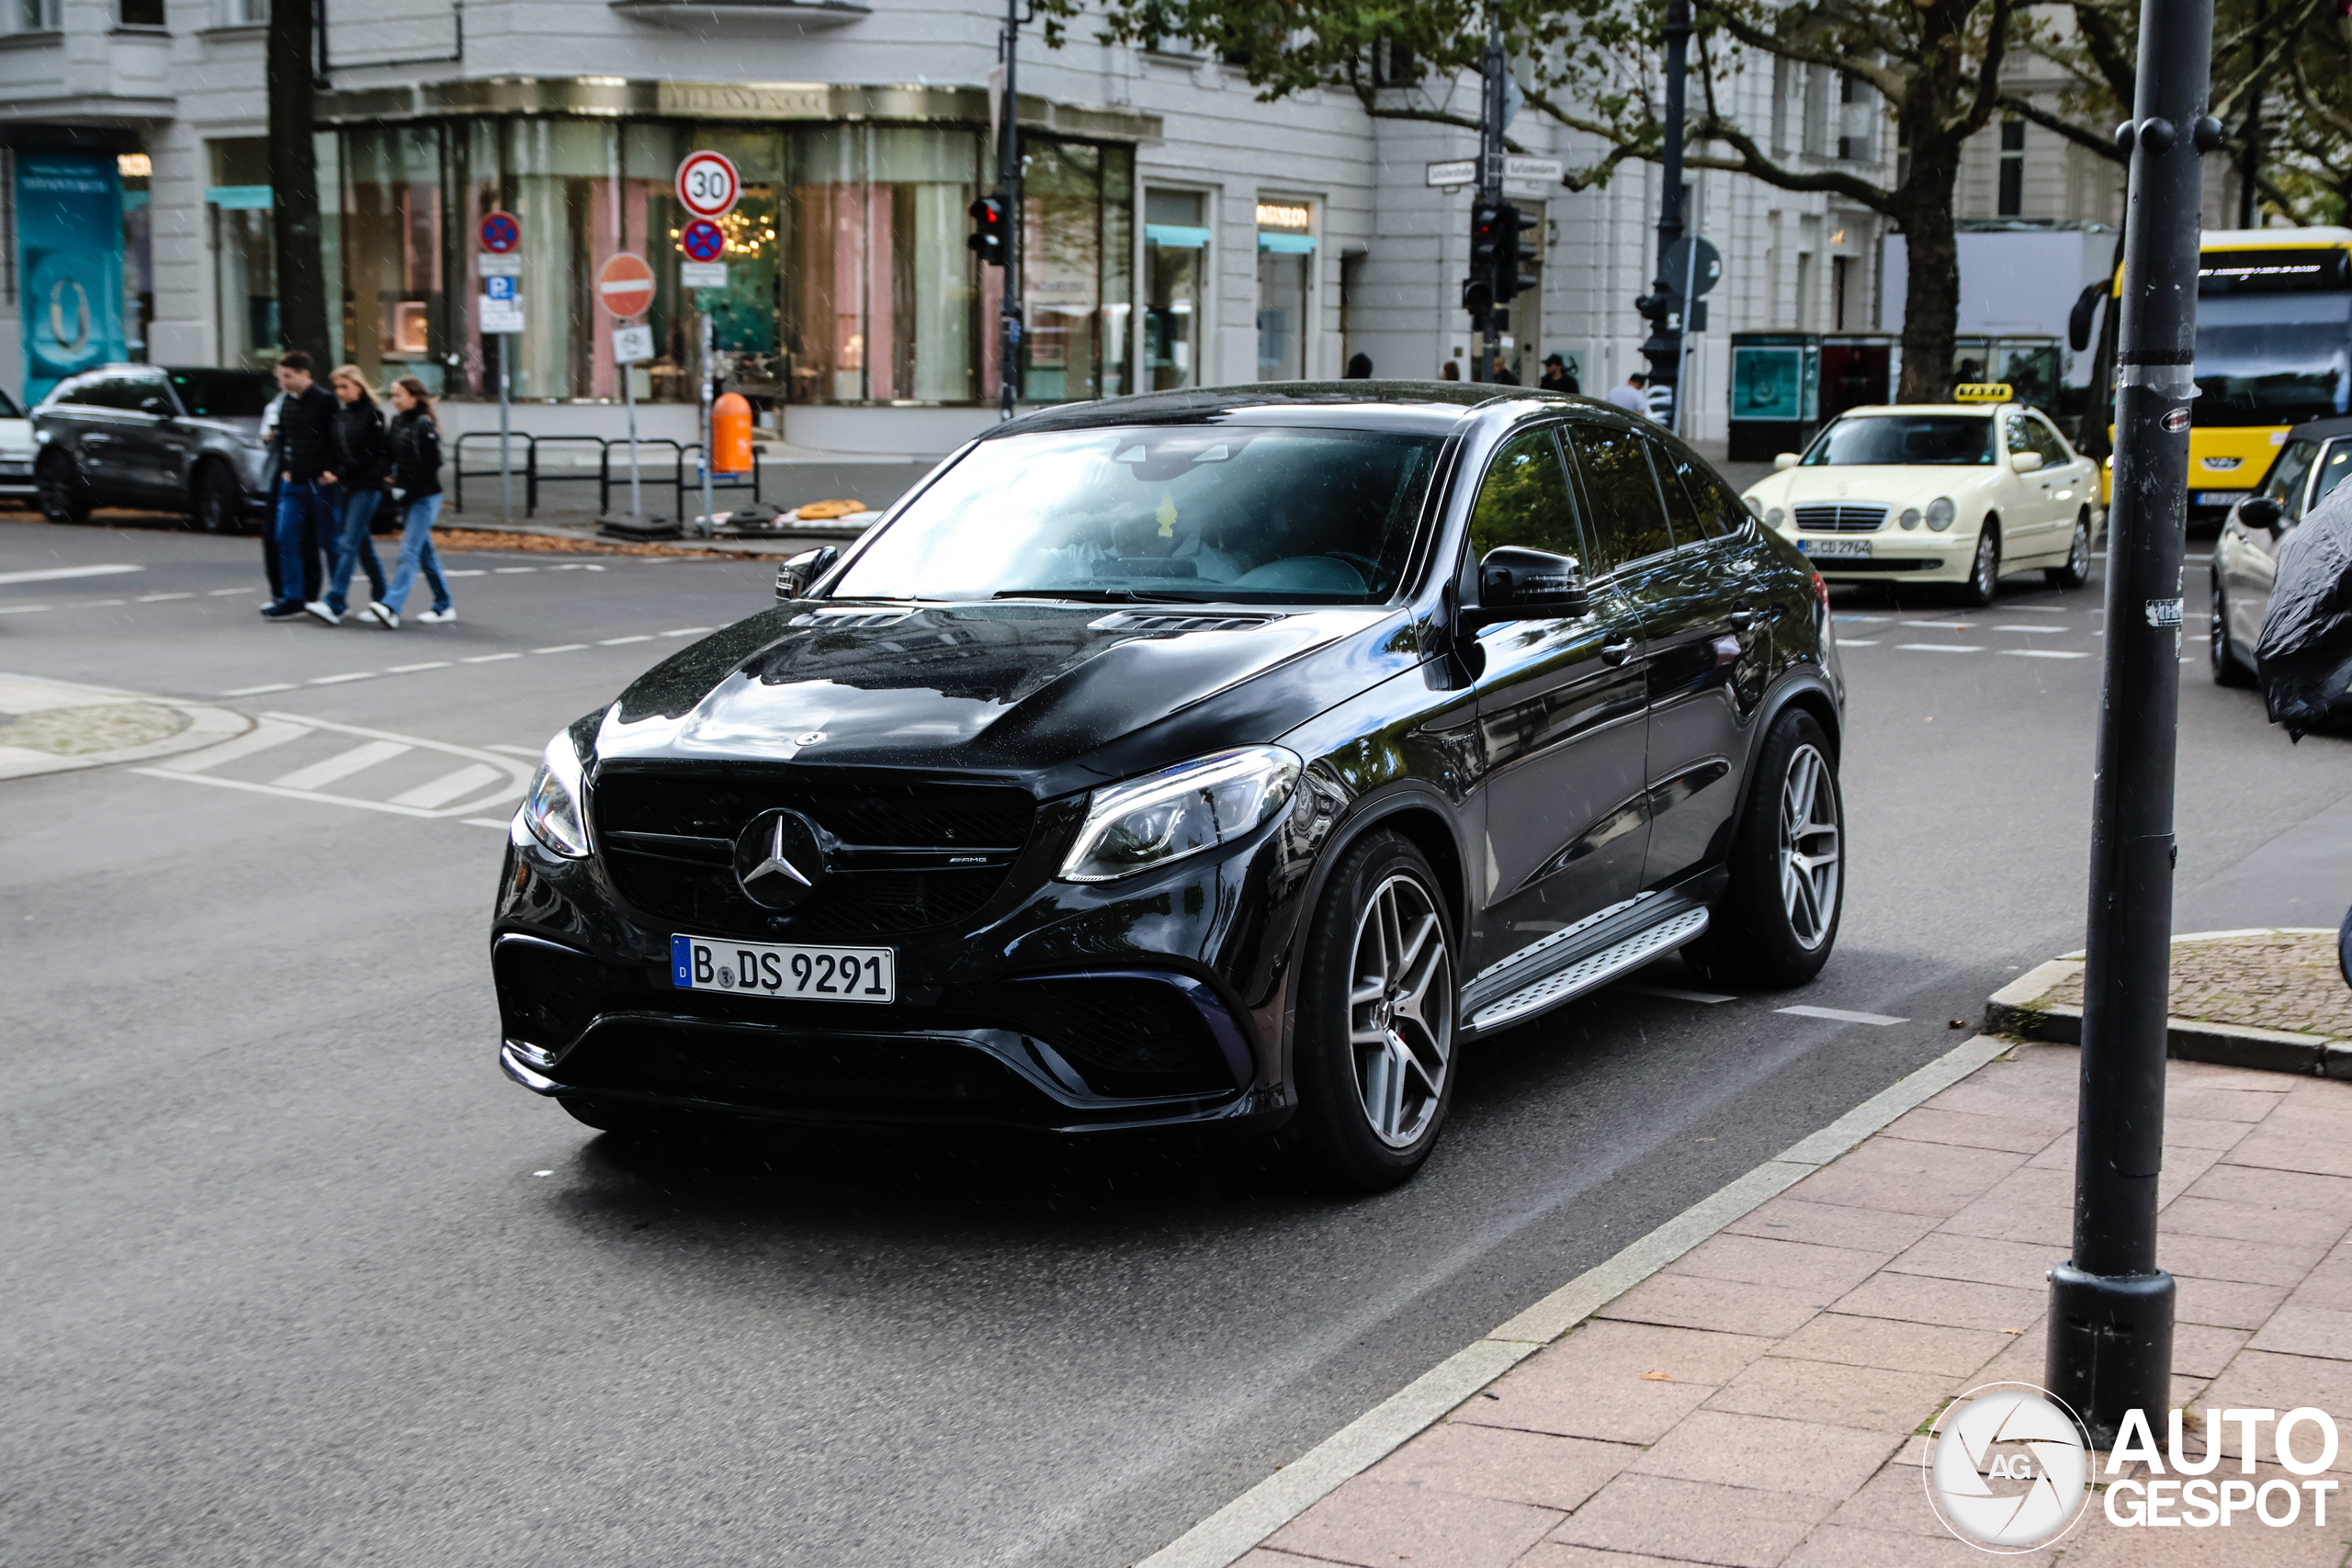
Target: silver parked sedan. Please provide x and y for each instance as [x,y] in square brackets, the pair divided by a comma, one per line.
[2316,457]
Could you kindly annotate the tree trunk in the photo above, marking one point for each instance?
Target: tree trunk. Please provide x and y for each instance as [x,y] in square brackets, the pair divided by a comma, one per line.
[1931,290]
[294,182]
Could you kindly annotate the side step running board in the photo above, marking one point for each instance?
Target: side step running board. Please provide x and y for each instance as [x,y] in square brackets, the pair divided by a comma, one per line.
[1586,973]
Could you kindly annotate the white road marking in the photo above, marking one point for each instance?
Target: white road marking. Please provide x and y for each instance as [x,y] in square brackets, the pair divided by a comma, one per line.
[450,787]
[1944,625]
[1940,647]
[342,765]
[510,570]
[1861,620]
[505,781]
[500,823]
[562,647]
[159,598]
[260,737]
[2040,653]
[691,631]
[2036,610]
[2030,628]
[224,592]
[21,609]
[257,691]
[339,680]
[1857,642]
[102,603]
[489,657]
[59,574]
[616,641]
[531,751]
[413,668]
[1841,1015]
[467,572]
[1674,993]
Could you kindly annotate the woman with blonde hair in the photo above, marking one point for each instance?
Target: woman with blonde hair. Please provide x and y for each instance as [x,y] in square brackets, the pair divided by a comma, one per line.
[362,462]
[416,479]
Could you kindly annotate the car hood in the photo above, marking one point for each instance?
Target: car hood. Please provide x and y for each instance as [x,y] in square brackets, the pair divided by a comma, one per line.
[16,437]
[1020,687]
[1863,483]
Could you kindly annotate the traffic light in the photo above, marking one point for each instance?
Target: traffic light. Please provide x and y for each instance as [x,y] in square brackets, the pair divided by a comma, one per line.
[1512,256]
[989,237]
[1485,234]
[1478,293]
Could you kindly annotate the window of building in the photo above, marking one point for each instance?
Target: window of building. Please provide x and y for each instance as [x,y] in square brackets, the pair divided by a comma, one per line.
[139,13]
[1842,271]
[1077,233]
[1285,281]
[2012,201]
[1176,256]
[1848,91]
[244,13]
[1394,65]
[245,266]
[38,15]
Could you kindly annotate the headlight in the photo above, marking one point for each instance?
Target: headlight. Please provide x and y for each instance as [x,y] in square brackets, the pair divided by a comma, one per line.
[1774,517]
[553,809]
[1150,821]
[1910,518]
[1941,512]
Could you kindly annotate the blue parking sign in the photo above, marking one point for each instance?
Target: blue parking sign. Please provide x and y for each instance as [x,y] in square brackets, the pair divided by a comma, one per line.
[498,288]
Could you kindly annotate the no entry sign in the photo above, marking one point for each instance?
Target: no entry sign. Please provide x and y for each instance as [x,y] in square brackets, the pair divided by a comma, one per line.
[624,284]
[703,239]
[709,185]
[501,232]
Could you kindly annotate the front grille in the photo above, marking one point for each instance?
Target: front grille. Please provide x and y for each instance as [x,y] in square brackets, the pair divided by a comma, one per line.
[763,1069]
[1839,519]
[667,835]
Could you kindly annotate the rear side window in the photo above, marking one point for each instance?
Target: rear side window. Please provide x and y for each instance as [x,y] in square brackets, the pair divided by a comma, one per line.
[1716,511]
[1628,521]
[223,394]
[2331,469]
[1524,500]
[2285,484]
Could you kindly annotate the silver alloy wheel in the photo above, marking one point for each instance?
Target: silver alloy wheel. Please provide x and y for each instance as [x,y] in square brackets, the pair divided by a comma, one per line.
[1986,576]
[1400,1010]
[2078,554]
[1811,846]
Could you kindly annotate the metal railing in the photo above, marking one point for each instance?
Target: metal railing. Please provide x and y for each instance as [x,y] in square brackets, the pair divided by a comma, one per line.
[611,470]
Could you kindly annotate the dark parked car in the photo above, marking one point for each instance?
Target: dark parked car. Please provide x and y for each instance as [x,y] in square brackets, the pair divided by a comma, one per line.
[156,437]
[1231,757]
[2317,455]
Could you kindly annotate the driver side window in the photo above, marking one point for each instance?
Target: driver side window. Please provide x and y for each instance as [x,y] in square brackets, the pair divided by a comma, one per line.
[1524,500]
[2285,484]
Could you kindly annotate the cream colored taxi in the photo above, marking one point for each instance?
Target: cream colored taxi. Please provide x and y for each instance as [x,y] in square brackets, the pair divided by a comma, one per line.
[1937,493]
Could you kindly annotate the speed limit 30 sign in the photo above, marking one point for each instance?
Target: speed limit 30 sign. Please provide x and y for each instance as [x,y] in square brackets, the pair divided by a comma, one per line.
[709,185]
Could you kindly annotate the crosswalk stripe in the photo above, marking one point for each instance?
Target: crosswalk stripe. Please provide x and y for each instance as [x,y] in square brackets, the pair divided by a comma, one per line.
[342,765]
[1841,1015]
[1938,647]
[450,787]
[260,737]
[2040,653]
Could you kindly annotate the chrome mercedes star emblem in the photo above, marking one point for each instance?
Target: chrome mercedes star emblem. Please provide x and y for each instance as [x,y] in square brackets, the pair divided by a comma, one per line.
[780,860]
[775,863]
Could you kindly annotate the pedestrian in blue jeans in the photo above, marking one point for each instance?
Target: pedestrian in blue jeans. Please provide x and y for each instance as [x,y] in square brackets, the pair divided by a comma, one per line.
[364,460]
[417,479]
[303,454]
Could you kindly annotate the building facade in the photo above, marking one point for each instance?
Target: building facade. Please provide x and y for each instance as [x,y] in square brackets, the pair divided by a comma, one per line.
[1177,231]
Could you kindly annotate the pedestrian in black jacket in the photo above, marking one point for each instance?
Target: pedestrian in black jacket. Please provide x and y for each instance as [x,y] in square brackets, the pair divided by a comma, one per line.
[416,481]
[364,469]
[301,454]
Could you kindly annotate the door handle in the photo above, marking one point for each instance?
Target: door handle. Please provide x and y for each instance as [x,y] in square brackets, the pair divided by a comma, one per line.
[1741,619]
[1617,652]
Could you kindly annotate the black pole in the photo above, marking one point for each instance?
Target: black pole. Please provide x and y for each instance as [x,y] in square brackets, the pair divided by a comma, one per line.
[1008,179]
[1666,306]
[2250,158]
[2111,1306]
[1491,68]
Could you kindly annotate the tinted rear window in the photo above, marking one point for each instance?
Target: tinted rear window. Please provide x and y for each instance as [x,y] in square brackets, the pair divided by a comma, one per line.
[224,394]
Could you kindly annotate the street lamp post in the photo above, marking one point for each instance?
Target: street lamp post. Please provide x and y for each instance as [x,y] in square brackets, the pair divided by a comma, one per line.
[1008,171]
[2111,1306]
[1663,348]
[1492,103]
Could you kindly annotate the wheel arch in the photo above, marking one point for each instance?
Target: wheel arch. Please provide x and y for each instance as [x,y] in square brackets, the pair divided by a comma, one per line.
[1807,693]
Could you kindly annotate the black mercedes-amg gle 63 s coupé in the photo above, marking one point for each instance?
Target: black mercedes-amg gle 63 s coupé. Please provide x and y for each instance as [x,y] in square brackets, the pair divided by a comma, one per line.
[1236,756]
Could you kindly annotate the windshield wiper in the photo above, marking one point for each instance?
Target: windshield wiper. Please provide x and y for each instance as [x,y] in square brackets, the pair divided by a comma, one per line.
[1087,595]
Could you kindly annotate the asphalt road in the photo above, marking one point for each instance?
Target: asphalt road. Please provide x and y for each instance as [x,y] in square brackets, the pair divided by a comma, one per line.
[291,1273]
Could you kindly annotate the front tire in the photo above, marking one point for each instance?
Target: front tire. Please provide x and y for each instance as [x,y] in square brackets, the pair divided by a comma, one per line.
[1373,1043]
[218,505]
[65,493]
[2077,569]
[1775,924]
[2228,670]
[1985,571]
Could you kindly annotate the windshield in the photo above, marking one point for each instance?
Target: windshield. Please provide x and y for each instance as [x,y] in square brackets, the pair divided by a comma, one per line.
[2331,469]
[1184,513]
[2275,359]
[224,394]
[1904,439]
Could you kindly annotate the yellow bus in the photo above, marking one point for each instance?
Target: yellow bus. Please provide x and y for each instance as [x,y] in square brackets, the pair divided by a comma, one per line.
[2274,348]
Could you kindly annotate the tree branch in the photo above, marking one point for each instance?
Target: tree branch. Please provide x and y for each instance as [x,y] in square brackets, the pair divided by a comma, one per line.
[2092,141]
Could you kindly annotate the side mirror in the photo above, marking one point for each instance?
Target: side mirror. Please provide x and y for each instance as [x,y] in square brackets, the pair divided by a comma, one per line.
[2025,462]
[1786,460]
[1517,584]
[2260,512]
[793,578]
[160,407]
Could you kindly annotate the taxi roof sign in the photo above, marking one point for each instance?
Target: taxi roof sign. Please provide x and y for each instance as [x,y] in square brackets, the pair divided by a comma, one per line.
[1982,393]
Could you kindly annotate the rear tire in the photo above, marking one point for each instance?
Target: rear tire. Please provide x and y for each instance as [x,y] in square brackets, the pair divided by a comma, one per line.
[1775,924]
[1985,572]
[2228,670]
[65,493]
[2077,569]
[216,501]
[1373,1043]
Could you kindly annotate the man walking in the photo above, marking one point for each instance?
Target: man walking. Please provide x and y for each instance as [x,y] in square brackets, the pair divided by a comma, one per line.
[303,451]
[1629,396]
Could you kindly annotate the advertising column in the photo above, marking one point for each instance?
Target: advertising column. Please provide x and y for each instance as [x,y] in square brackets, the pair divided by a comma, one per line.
[69,253]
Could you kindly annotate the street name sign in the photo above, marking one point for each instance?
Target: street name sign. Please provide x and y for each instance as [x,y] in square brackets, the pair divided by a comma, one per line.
[624,284]
[709,185]
[1531,171]
[1453,172]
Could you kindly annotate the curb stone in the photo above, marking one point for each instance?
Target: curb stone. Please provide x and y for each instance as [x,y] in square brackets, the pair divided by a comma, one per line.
[2020,1008]
[1233,1530]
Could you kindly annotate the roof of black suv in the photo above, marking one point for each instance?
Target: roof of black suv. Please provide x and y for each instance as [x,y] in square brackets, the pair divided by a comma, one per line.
[1426,407]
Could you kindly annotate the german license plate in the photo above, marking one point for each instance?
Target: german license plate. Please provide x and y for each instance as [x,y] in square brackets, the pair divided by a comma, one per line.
[2221,497]
[1831,550]
[821,974]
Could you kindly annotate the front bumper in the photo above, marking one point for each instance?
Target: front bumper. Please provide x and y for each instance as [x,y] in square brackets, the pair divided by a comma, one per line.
[16,475]
[1916,555]
[1067,1009]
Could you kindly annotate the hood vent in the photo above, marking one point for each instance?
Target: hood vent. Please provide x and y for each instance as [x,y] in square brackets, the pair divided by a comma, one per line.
[1133,621]
[835,620]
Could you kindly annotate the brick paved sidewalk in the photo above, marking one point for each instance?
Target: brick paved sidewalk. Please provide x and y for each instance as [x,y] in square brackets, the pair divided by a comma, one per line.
[1760,1402]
